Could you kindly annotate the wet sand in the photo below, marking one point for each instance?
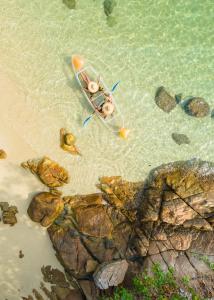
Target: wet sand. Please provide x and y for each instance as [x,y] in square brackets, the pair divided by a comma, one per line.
[19,276]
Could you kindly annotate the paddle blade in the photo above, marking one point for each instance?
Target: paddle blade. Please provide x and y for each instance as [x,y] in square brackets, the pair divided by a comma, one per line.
[115,86]
[86,121]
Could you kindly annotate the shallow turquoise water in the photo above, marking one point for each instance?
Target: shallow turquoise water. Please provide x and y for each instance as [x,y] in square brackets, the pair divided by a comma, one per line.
[154,43]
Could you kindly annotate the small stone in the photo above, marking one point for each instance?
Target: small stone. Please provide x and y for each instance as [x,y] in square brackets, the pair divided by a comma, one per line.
[21,255]
[180,138]
[8,213]
[110,274]
[197,107]
[3,154]
[164,100]
[67,142]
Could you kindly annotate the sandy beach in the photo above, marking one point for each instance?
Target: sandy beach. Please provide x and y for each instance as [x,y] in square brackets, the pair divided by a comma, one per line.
[19,276]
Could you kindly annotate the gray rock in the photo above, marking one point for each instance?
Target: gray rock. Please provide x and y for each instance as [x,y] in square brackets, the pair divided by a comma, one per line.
[110,274]
[180,138]
[164,100]
[197,107]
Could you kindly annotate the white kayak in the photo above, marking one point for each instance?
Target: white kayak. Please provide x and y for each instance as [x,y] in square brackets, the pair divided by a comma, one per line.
[98,95]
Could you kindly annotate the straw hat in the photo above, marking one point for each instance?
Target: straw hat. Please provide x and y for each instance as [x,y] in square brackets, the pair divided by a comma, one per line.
[93,87]
[108,108]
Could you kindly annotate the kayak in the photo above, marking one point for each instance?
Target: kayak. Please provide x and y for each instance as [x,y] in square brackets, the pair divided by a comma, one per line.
[97,94]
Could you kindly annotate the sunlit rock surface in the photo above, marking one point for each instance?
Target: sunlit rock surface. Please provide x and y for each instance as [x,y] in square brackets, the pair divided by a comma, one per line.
[168,219]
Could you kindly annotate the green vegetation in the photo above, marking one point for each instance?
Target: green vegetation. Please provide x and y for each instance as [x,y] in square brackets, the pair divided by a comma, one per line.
[160,286]
[206,260]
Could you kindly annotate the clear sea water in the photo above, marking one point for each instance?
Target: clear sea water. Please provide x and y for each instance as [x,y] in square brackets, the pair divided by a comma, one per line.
[153,43]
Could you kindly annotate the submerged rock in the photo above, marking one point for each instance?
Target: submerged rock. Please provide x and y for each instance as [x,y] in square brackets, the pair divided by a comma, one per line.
[3,154]
[180,138]
[197,107]
[48,171]
[71,4]
[110,274]
[8,213]
[45,208]
[164,100]
[109,6]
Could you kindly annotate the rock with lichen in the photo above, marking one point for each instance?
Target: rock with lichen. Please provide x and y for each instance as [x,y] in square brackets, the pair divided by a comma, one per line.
[3,154]
[45,207]
[8,213]
[48,171]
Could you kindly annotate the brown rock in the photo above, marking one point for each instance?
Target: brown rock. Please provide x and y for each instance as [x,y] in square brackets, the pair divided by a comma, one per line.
[3,154]
[48,171]
[97,223]
[110,274]
[70,250]
[67,142]
[165,101]
[197,107]
[45,208]
[8,213]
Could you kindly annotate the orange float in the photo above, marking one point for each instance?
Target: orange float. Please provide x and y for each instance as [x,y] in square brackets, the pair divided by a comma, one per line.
[77,62]
[124,132]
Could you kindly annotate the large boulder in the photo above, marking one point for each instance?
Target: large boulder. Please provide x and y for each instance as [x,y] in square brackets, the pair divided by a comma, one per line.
[164,100]
[110,274]
[197,107]
[48,171]
[45,208]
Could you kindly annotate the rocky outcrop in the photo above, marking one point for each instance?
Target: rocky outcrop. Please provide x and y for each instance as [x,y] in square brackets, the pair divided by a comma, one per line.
[168,219]
[197,107]
[180,138]
[164,100]
[45,208]
[48,171]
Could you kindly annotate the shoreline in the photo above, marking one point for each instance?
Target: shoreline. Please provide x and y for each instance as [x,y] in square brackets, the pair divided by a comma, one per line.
[19,276]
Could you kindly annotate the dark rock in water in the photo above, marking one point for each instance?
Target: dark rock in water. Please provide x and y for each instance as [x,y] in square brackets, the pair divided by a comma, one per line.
[110,274]
[109,6]
[178,98]
[180,138]
[8,213]
[3,154]
[197,107]
[71,4]
[164,100]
